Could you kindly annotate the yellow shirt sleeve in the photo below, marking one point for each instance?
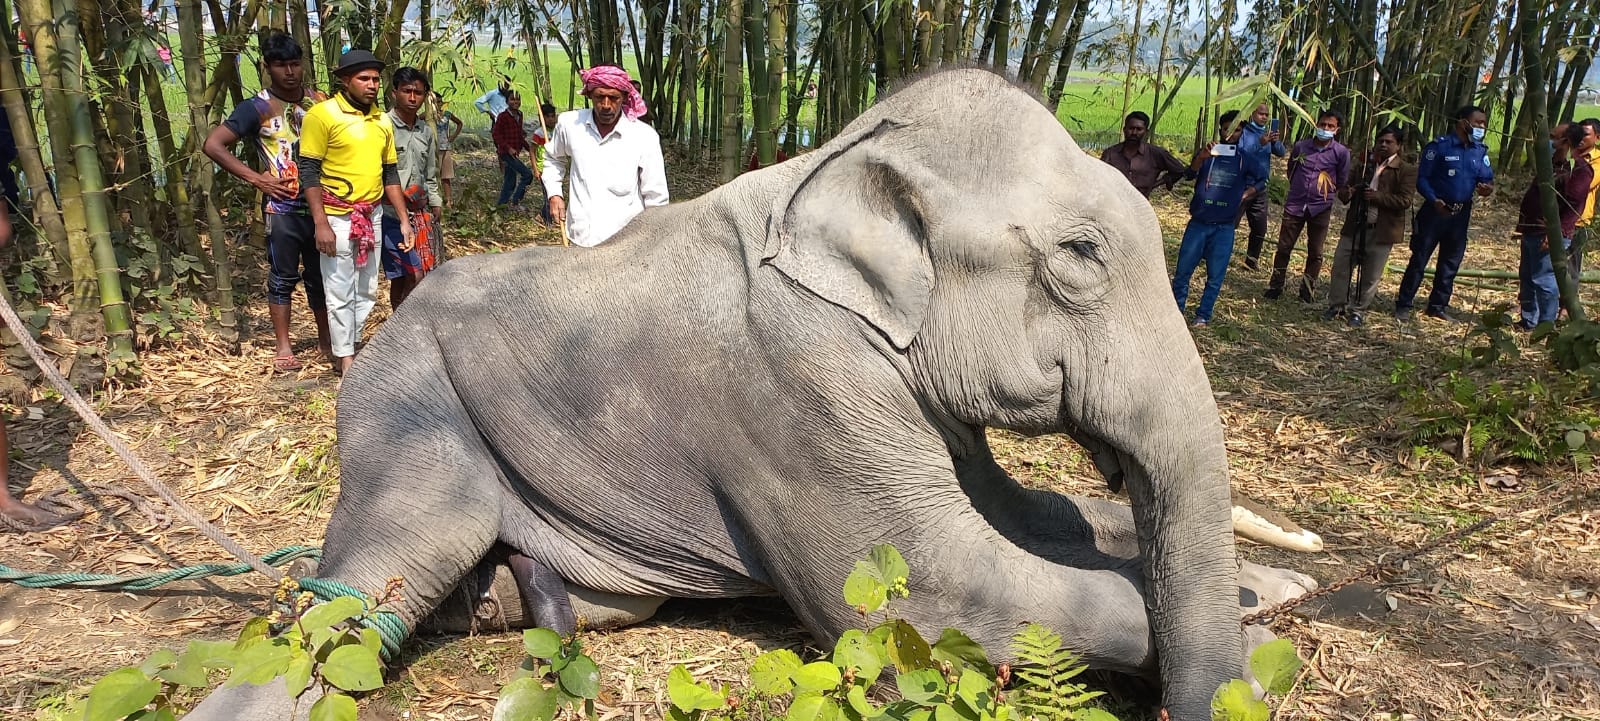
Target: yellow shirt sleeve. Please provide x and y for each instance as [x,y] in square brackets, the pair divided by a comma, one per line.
[314,134]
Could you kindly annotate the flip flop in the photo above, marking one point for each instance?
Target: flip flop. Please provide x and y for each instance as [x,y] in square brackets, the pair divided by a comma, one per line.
[286,364]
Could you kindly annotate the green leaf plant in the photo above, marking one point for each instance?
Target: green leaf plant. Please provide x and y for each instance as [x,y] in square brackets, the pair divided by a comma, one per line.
[883,671]
[321,645]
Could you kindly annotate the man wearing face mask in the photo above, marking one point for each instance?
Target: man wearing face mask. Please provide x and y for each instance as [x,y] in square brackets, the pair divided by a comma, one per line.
[1454,168]
[1258,144]
[1319,167]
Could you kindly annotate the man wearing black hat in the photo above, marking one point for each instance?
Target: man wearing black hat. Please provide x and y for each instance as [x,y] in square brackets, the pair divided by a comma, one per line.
[348,164]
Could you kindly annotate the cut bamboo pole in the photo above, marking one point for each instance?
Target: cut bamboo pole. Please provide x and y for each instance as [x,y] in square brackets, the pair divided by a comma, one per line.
[1587,277]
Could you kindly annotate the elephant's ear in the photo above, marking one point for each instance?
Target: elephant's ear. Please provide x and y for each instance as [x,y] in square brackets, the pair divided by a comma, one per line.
[854,231]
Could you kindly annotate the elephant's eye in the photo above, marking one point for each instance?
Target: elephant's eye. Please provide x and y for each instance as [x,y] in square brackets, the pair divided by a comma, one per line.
[1086,249]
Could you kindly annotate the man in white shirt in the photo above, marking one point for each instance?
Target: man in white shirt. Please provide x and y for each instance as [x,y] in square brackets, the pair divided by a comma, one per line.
[611,160]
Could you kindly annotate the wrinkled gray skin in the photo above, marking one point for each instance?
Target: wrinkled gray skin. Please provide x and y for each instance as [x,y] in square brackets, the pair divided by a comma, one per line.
[742,394]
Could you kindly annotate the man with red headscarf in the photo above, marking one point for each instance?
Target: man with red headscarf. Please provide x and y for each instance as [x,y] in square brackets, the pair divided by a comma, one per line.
[608,159]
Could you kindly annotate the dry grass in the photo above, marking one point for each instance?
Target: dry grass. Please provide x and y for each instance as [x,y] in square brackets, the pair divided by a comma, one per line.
[1502,626]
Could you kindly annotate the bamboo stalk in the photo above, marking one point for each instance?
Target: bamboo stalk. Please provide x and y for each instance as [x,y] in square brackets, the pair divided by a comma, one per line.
[36,15]
[45,212]
[732,90]
[172,156]
[194,69]
[1589,276]
[97,211]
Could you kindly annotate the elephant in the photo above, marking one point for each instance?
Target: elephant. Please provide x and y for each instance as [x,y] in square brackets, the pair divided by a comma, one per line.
[744,393]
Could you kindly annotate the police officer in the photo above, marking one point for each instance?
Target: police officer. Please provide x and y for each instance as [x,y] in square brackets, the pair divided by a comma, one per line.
[1453,168]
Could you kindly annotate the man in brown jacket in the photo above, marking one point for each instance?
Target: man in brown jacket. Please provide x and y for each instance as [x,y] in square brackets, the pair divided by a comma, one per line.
[1376,221]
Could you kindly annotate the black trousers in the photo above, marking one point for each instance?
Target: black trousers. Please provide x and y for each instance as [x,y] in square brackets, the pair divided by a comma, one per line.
[1255,211]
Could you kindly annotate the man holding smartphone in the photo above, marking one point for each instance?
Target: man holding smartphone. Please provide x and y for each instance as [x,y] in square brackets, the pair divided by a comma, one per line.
[1224,179]
[1259,141]
[1319,167]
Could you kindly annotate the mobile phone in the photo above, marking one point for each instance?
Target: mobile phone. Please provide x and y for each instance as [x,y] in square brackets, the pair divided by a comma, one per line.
[1224,150]
[1274,125]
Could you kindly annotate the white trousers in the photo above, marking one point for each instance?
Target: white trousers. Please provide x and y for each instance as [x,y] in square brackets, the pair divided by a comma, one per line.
[351,291]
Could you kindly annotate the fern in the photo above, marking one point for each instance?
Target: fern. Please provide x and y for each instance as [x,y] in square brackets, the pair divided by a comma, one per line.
[1044,672]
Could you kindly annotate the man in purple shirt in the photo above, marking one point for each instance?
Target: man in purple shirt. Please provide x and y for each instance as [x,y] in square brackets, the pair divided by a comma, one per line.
[1319,167]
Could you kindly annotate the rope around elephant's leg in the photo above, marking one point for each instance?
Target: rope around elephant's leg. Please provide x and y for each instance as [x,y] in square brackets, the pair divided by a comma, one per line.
[387,623]
[70,394]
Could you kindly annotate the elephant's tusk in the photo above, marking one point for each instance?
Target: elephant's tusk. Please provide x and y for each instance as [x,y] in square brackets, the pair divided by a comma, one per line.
[1264,525]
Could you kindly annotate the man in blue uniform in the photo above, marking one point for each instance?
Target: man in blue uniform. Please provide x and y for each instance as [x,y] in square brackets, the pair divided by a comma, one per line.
[1453,168]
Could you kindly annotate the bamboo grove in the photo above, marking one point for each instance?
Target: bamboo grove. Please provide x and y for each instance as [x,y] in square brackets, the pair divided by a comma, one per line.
[124,217]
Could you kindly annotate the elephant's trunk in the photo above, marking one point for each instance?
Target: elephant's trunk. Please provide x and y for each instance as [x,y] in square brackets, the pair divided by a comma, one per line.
[1175,467]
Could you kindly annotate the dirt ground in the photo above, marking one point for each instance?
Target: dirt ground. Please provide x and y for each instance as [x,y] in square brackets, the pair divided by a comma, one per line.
[1503,625]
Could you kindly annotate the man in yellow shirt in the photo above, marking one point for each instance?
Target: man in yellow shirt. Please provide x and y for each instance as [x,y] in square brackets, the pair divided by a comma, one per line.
[348,164]
[1591,126]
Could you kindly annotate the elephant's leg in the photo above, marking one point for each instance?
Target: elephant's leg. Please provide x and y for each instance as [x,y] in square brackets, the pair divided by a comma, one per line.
[963,575]
[1078,531]
[1093,528]
[1095,533]
[420,499]
[562,607]
[968,574]
[1104,526]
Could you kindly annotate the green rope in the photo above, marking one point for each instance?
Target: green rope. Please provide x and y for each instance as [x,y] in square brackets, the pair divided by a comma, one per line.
[387,623]
[107,582]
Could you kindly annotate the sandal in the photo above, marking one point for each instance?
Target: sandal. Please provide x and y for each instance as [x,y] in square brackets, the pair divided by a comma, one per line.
[286,364]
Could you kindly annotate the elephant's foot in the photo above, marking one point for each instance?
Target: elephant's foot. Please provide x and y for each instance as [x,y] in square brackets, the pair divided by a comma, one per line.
[491,598]
[1262,587]
[1264,525]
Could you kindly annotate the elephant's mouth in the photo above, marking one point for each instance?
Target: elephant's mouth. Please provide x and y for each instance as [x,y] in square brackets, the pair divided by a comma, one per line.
[1111,462]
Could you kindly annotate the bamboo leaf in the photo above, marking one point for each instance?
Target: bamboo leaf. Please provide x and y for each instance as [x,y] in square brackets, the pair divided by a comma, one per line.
[1290,103]
[1240,89]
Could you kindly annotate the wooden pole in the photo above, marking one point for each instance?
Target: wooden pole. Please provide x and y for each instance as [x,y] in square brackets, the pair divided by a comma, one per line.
[1591,276]
[566,239]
